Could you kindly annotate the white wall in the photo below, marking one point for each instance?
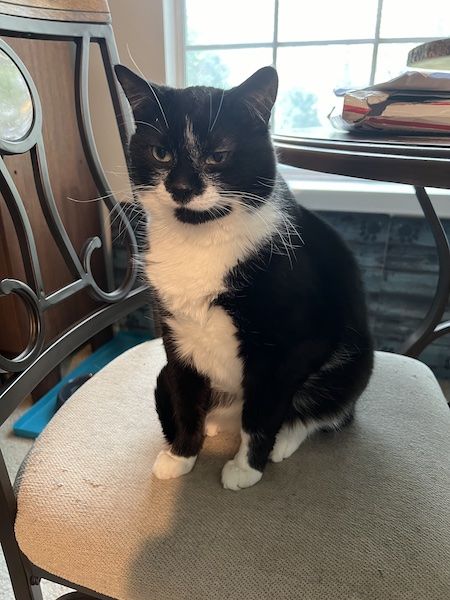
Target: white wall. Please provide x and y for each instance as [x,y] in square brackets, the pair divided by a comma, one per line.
[139,23]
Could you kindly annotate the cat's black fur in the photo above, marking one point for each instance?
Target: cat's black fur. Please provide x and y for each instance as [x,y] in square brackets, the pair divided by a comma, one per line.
[300,316]
[299,319]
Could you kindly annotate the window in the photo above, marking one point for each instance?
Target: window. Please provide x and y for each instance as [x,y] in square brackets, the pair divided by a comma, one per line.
[316,46]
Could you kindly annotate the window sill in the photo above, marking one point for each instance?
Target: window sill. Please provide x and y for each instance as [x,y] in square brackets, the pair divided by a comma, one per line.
[343,194]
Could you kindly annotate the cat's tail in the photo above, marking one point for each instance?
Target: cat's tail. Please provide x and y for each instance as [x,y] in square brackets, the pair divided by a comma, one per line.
[327,398]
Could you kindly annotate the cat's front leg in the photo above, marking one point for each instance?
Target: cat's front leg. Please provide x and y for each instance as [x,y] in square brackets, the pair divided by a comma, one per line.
[238,473]
[262,416]
[182,399]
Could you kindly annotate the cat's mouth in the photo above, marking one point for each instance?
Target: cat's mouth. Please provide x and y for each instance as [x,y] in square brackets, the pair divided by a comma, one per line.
[197,217]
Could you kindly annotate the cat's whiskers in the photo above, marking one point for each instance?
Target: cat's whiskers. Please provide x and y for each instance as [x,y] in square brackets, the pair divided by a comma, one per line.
[210,111]
[269,179]
[150,125]
[284,230]
[218,111]
[125,209]
[128,211]
[289,228]
[98,198]
[257,213]
[122,214]
[267,185]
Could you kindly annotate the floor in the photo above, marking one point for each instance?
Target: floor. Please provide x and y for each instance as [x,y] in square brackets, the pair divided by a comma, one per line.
[14,450]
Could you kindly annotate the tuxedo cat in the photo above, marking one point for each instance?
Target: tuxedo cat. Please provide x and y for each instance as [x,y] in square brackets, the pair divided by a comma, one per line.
[263,311]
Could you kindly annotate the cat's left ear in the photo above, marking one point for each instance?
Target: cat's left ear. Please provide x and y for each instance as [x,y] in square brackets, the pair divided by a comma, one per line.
[259,92]
[141,94]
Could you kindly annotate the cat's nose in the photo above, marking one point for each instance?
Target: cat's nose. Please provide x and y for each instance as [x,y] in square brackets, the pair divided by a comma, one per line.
[182,193]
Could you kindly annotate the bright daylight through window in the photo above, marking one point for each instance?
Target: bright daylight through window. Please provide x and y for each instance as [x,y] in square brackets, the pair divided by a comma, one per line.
[316,46]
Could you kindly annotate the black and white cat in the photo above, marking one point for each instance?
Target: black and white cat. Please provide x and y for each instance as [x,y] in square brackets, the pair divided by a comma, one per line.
[263,311]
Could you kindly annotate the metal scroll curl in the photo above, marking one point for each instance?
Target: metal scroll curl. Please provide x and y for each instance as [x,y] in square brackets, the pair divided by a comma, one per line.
[117,294]
[36,326]
[88,141]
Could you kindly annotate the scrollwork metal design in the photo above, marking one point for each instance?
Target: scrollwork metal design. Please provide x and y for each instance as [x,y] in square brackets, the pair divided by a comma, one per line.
[32,292]
[36,323]
[50,210]
[87,137]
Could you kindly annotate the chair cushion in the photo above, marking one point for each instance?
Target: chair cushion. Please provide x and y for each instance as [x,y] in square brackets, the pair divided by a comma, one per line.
[362,514]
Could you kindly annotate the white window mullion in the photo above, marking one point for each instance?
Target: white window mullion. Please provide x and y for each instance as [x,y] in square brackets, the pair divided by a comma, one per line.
[275,33]
[376,42]
[174,12]
[274,53]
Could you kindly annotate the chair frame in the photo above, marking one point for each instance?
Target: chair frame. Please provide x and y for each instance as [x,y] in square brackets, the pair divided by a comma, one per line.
[28,369]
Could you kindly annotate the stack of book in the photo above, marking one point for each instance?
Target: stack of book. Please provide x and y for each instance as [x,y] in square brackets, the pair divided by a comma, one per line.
[416,102]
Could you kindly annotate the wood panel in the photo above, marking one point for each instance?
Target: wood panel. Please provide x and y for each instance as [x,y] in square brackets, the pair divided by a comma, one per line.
[51,65]
[89,11]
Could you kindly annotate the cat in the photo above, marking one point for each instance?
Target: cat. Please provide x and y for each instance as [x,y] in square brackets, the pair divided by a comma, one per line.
[262,307]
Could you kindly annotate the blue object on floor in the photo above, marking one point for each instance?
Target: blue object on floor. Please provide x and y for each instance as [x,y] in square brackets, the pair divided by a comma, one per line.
[36,418]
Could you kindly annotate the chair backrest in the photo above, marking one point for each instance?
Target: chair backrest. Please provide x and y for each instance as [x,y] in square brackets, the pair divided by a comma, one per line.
[21,132]
[22,128]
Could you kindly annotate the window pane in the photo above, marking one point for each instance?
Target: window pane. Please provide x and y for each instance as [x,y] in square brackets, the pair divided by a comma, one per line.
[308,76]
[230,22]
[224,68]
[406,18]
[326,20]
[391,61]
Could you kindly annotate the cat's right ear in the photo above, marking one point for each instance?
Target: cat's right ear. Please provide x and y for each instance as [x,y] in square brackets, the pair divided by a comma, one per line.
[140,93]
[259,93]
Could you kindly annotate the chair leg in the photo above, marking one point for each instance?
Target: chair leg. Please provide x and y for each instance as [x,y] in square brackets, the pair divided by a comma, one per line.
[24,585]
[25,588]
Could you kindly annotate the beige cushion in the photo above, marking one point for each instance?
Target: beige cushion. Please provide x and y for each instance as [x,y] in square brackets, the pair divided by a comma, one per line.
[359,515]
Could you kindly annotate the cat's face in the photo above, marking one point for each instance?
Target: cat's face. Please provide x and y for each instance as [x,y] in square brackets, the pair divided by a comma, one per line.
[202,153]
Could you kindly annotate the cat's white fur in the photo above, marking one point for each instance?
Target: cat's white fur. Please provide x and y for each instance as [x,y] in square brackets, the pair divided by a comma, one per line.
[191,140]
[170,466]
[289,439]
[187,265]
[237,474]
[226,416]
[292,435]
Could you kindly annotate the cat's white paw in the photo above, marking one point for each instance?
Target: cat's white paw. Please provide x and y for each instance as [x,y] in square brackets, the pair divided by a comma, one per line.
[169,466]
[236,477]
[288,440]
[212,429]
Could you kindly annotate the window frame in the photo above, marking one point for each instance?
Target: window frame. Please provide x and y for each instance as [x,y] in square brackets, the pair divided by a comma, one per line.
[314,190]
[376,41]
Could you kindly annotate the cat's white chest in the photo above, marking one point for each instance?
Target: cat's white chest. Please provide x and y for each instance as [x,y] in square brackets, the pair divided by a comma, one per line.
[212,346]
[188,278]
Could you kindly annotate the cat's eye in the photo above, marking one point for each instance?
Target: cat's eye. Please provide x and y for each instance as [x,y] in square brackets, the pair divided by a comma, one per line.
[216,158]
[161,154]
